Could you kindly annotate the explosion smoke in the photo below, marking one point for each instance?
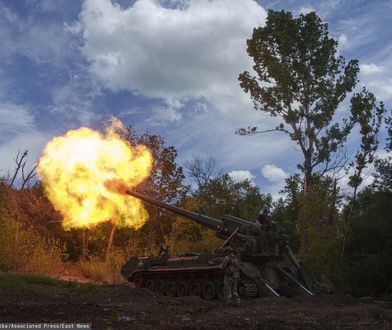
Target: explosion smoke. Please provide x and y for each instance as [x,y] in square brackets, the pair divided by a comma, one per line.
[77,169]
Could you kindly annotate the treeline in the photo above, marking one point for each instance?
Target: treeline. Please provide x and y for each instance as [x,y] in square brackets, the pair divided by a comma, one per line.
[350,254]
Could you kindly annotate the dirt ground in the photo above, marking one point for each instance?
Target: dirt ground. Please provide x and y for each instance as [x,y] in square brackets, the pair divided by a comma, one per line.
[122,307]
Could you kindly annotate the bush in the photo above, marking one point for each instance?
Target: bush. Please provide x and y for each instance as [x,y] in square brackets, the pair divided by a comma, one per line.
[106,271]
[47,258]
[22,249]
[13,242]
[319,240]
[368,275]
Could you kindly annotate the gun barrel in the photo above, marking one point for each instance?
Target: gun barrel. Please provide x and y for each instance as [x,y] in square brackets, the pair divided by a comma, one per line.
[201,219]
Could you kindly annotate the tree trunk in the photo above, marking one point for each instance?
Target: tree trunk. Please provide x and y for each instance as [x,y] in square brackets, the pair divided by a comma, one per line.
[110,243]
[307,176]
[348,221]
[84,243]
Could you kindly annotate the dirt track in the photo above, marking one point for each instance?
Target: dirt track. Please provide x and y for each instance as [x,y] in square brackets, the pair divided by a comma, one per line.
[121,307]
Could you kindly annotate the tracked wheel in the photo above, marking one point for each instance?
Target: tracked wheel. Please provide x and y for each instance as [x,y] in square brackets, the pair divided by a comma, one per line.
[171,289]
[138,280]
[195,289]
[150,285]
[182,289]
[208,290]
[160,287]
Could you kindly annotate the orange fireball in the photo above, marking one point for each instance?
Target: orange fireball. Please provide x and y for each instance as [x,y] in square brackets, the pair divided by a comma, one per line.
[75,168]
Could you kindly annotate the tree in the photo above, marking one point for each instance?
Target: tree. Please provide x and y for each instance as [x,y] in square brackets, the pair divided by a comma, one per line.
[368,255]
[222,195]
[165,183]
[202,171]
[383,175]
[300,79]
[287,209]
[368,249]
[20,168]
[216,197]
[369,116]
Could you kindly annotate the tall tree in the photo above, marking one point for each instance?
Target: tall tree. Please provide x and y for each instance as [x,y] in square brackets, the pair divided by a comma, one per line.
[369,116]
[300,79]
[165,183]
[383,176]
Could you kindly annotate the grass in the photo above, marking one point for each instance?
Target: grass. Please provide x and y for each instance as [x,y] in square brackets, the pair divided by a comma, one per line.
[41,285]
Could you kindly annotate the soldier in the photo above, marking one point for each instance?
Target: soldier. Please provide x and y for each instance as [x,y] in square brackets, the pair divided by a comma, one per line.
[231,268]
[264,218]
[163,251]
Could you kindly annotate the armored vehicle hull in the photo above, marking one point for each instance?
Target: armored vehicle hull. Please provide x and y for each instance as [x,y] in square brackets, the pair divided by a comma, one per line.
[183,276]
[262,250]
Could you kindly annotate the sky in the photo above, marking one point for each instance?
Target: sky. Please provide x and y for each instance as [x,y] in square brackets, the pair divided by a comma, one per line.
[167,66]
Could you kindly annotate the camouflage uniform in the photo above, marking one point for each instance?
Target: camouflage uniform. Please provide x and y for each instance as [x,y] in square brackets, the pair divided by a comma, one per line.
[232,274]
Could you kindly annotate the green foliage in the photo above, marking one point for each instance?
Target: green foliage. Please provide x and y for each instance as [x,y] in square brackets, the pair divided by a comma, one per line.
[301,80]
[106,271]
[368,275]
[383,175]
[222,195]
[320,245]
[312,222]
[165,183]
[286,210]
[32,284]
[23,249]
[215,197]
[368,257]
[166,179]
[188,236]
[369,116]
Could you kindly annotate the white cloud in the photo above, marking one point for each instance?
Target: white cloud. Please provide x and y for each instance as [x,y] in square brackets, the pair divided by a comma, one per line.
[370,68]
[190,57]
[306,10]
[166,113]
[342,40]
[382,88]
[39,40]
[241,175]
[211,134]
[273,173]
[14,119]
[192,52]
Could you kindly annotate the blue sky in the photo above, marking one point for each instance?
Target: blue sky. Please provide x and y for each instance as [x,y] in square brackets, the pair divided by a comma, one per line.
[169,67]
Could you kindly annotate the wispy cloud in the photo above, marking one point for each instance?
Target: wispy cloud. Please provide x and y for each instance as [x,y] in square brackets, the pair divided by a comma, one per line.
[371,68]
[241,175]
[14,119]
[18,132]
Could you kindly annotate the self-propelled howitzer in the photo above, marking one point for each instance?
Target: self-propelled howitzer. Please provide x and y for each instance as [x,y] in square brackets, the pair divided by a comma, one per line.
[263,250]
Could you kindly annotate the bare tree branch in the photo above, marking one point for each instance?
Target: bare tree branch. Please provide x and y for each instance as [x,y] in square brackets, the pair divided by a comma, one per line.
[253,131]
[19,165]
[29,176]
[202,170]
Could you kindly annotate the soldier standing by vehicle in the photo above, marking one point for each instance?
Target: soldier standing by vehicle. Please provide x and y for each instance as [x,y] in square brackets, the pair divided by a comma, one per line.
[231,268]
[264,217]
